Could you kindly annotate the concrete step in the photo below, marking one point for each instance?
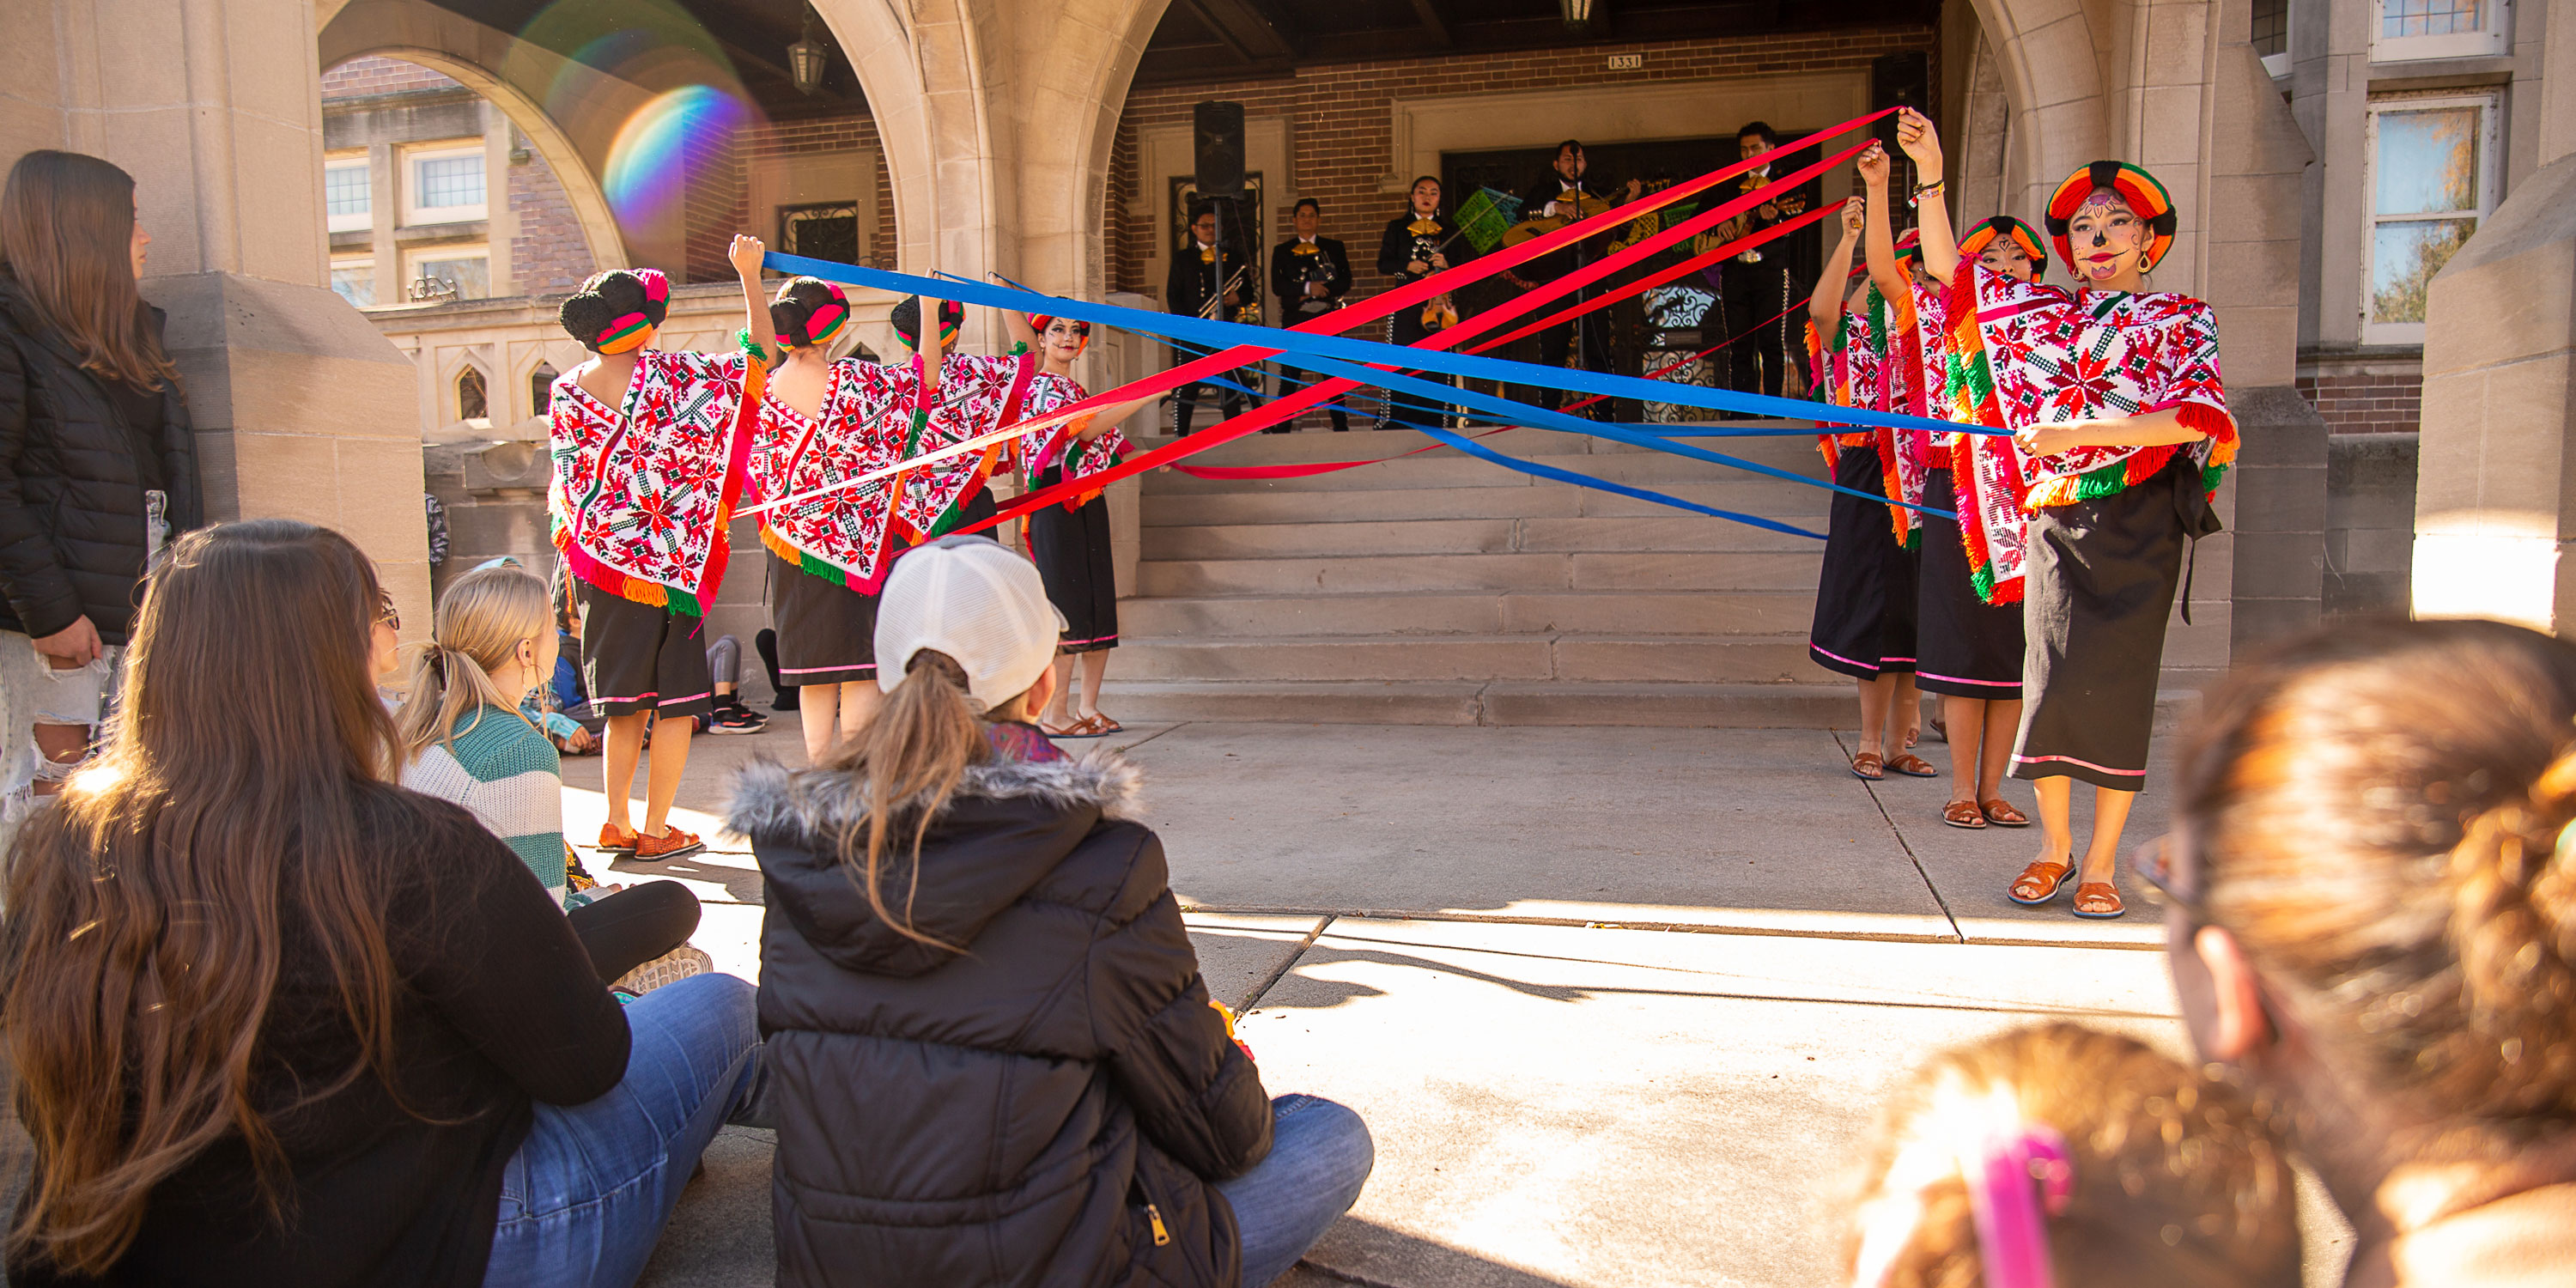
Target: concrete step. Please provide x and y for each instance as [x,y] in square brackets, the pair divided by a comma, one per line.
[1777,571]
[1670,532]
[1796,440]
[1447,468]
[1689,706]
[1473,612]
[1770,498]
[1755,659]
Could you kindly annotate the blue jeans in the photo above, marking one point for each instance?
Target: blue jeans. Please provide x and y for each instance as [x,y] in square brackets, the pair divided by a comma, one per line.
[586,1196]
[1320,1156]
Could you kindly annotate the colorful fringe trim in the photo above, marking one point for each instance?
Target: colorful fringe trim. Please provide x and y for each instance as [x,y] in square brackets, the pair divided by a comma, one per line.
[816,565]
[1968,395]
[2139,466]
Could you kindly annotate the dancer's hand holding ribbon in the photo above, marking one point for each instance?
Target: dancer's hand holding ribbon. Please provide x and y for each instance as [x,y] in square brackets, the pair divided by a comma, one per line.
[2049,440]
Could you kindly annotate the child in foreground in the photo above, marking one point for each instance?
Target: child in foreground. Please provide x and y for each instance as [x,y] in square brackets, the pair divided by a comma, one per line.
[2061,1155]
[999,1064]
[466,741]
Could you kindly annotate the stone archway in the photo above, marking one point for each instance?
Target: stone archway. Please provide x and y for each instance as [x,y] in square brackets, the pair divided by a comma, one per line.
[510,74]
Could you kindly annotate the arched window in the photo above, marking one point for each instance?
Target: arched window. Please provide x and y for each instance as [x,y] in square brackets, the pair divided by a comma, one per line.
[541,387]
[470,401]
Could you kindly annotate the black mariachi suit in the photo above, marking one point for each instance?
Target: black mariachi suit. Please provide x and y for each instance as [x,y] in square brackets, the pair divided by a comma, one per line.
[1556,342]
[1294,263]
[1751,292]
[1198,275]
[1406,239]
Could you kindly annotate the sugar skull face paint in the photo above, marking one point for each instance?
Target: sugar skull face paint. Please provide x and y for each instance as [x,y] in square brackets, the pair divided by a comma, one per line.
[2108,238]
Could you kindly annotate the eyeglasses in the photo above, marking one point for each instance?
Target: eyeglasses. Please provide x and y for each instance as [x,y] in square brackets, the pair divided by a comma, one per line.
[385,612]
[2155,863]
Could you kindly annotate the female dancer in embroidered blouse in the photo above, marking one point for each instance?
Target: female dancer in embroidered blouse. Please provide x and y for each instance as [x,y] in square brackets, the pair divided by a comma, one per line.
[2117,397]
[642,527]
[1864,621]
[1967,650]
[823,421]
[1070,542]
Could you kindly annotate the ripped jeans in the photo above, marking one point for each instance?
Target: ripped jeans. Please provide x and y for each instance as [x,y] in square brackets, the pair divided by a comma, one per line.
[33,693]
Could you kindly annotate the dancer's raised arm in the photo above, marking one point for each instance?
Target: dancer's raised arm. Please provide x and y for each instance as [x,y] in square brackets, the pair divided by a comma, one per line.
[1879,237]
[745,255]
[1825,308]
[1922,145]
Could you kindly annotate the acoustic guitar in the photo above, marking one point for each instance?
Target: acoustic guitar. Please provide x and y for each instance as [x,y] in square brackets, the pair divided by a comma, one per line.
[1584,206]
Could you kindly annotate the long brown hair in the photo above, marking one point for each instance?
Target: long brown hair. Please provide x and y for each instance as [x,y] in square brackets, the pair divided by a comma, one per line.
[66,234]
[909,759]
[146,905]
[2383,820]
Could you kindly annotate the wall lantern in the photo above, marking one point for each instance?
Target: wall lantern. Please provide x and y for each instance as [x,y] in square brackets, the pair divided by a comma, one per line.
[807,58]
[1578,14]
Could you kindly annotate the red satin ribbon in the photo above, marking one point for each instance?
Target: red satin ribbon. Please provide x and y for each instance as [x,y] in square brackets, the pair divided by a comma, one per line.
[1341,320]
[1312,468]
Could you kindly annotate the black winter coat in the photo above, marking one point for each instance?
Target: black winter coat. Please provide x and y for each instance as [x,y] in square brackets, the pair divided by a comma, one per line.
[72,526]
[1048,1107]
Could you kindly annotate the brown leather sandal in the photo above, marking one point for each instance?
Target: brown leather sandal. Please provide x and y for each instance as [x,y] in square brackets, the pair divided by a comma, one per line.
[2039,882]
[2098,901]
[2001,813]
[1963,814]
[1869,766]
[1913,766]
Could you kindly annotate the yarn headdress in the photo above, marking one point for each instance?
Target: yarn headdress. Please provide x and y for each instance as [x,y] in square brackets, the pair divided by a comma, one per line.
[1909,247]
[907,321]
[2023,235]
[808,312]
[2134,186]
[617,311]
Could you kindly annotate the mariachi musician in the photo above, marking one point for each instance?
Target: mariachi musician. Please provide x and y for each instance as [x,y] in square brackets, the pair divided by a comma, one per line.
[1567,195]
[1416,244]
[1758,284]
[1212,281]
[1310,273]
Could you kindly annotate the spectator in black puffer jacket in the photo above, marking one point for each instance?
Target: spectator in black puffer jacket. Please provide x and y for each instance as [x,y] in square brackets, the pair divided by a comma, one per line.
[98,467]
[993,1059]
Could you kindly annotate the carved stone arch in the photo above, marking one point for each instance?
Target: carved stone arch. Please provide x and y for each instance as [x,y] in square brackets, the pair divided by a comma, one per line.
[509,73]
[2046,51]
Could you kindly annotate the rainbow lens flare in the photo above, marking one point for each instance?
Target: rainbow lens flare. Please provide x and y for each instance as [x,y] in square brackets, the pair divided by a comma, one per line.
[683,137]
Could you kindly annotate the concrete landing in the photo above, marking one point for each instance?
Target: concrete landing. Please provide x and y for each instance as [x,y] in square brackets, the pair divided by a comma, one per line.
[1617,1002]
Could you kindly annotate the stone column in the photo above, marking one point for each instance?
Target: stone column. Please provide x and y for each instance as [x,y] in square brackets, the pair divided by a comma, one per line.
[214,106]
[2495,498]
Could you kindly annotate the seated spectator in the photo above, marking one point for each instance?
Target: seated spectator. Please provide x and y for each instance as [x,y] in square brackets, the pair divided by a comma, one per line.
[2056,1154]
[465,740]
[2371,891]
[997,1061]
[326,1081]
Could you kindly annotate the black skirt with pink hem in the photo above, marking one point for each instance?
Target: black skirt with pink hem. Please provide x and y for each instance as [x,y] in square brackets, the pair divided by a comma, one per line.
[1965,647]
[1864,624]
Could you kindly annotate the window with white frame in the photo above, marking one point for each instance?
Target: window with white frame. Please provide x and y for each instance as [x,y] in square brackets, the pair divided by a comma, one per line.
[459,272]
[354,277]
[347,196]
[443,185]
[2406,30]
[2431,174]
[2272,36]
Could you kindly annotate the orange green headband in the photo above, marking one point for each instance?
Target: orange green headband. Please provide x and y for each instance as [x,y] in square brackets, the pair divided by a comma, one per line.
[2134,186]
[2021,234]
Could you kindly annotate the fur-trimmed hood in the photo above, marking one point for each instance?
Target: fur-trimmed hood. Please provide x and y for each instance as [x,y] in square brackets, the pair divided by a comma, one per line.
[1005,830]
[771,800]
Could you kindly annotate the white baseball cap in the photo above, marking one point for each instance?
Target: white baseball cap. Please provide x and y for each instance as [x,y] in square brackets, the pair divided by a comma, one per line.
[975,601]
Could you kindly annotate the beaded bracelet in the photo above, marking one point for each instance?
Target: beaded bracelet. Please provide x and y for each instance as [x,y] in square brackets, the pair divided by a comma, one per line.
[1927,190]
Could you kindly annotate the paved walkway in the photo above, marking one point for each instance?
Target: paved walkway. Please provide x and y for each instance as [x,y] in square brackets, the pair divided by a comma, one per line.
[1617,1003]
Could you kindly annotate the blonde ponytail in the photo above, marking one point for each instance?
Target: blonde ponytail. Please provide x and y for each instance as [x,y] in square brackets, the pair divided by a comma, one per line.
[910,756]
[481,621]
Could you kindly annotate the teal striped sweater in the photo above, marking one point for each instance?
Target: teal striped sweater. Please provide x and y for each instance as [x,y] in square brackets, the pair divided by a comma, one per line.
[508,776]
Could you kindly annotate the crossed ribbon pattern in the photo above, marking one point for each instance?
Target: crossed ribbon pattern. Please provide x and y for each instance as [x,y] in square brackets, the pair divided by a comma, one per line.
[1319,345]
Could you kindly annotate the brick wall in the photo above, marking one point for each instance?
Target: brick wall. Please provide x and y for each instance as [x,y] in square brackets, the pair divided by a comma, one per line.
[2366,402]
[361,77]
[726,207]
[1344,129]
[548,255]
